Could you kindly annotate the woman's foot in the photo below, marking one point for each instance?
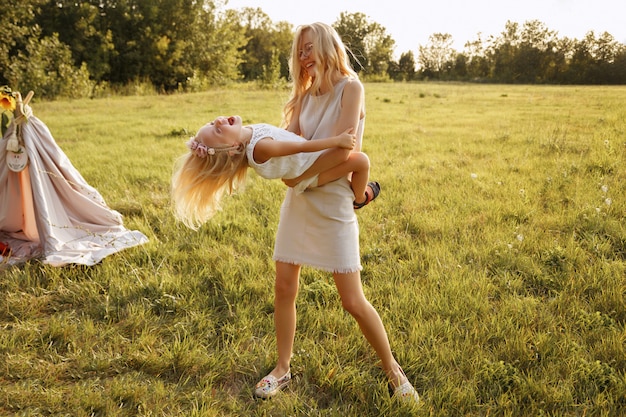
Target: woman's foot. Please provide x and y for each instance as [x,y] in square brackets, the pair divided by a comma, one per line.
[270,385]
[406,393]
[402,388]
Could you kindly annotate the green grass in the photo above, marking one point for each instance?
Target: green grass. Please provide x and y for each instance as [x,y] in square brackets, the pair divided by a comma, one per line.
[495,255]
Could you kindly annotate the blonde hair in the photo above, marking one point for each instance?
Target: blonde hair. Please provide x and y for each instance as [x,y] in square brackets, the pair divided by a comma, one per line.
[198,184]
[330,55]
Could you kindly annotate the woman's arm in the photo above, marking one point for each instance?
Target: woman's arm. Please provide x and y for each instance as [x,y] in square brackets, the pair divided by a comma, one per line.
[351,112]
[351,109]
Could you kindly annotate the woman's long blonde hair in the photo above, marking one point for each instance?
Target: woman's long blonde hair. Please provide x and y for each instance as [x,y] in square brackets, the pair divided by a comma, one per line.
[330,54]
[198,184]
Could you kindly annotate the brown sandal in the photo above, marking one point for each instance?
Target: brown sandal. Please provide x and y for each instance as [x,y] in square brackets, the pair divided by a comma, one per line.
[368,198]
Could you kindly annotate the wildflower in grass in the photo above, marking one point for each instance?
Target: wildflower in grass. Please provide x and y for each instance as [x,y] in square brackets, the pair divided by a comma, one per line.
[605,189]
[473,175]
[520,237]
[608,201]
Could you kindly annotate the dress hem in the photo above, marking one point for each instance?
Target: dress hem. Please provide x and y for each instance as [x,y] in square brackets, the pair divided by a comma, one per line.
[342,270]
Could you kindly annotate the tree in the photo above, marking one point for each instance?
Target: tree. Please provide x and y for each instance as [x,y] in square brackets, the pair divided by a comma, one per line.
[437,58]
[404,70]
[16,27]
[216,52]
[501,52]
[268,45]
[46,67]
[83,27]
[165,42]
[596,60]
[477,64]
[370,46]
[536,52]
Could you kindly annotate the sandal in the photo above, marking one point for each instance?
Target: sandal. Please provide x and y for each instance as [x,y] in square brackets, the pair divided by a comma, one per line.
[368,198]
[406,393]
[270,385]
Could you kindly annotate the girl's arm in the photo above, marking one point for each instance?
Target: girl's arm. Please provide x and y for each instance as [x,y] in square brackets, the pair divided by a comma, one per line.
[268,148]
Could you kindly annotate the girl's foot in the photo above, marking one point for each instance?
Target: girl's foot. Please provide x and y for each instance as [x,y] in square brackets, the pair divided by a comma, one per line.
[370,195]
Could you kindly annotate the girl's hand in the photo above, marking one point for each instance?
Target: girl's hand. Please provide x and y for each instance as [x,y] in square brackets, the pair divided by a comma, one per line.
[347,140]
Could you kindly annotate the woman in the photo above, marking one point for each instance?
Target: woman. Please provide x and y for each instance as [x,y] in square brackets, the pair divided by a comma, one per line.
[319,227]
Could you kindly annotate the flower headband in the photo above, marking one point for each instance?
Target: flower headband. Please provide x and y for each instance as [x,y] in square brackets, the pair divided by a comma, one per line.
[201,150]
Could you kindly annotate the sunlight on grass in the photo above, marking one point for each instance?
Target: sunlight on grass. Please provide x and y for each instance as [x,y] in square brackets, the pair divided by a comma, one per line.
[495,255]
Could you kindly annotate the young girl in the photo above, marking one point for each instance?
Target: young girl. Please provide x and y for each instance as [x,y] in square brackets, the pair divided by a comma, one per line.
[222,151]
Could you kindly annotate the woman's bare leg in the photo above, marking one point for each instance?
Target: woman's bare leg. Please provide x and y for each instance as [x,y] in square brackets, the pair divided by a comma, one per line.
[353,300]
[285,292]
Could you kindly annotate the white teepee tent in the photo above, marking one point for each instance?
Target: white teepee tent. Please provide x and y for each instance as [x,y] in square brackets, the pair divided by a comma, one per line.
[47,209]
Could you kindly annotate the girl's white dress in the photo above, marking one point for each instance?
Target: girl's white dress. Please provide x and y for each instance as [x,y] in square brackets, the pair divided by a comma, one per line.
[48,210]
[318,227]
[288,166]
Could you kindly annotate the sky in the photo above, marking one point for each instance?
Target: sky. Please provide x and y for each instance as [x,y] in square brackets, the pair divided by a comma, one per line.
[411,22]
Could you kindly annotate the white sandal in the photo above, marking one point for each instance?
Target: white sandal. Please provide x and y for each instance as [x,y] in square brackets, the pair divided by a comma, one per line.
[270,385]
[406,393]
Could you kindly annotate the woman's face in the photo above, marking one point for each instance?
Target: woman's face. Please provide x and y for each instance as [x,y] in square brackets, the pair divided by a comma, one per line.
[306,53]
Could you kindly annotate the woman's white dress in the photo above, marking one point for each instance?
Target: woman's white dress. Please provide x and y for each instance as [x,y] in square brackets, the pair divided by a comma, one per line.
[319,227]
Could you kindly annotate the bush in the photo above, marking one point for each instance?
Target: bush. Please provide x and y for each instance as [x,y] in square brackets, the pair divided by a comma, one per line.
[46,67]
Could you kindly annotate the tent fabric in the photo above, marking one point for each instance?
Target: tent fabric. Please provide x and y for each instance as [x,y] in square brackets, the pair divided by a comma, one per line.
[48,211]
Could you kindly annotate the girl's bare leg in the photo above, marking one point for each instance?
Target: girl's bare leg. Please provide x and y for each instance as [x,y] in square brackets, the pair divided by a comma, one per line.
[359,165]
[327,160]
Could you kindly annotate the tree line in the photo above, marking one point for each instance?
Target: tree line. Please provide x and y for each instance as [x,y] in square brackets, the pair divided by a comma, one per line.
[82,48]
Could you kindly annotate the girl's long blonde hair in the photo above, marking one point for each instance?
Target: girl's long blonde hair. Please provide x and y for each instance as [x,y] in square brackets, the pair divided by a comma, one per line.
[330,55]
[198,184]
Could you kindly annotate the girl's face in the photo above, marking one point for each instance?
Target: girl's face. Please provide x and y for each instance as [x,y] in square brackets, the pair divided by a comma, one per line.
[223,131]
[306,54]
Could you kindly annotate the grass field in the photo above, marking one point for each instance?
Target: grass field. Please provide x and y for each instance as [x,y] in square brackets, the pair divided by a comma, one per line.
[495,255]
